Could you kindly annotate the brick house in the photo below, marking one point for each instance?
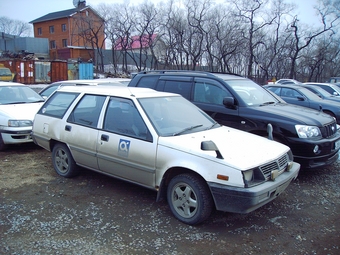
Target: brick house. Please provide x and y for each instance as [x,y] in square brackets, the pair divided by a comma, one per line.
[73,34]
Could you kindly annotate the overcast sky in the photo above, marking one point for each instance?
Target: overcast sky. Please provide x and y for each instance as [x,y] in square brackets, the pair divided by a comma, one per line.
[28,10]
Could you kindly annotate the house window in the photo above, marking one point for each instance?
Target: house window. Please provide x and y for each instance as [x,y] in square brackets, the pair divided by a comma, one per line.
[63,27]
[51,29]
[52,44]
[64,43]
[39,31]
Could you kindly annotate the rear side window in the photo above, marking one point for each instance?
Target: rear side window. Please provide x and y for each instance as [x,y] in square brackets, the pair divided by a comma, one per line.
[179,87]
[328,89]
[148,82]
[288,92]
[87,111]
[57,105]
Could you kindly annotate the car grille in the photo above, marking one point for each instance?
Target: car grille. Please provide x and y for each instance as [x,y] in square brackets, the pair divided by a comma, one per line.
[329,130]
[279,164]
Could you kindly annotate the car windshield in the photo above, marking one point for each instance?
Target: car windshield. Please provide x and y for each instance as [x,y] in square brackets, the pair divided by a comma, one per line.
[251,93]
[18,95]
[175,115]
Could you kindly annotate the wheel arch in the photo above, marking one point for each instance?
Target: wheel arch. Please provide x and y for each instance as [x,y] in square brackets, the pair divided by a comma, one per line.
[171,173]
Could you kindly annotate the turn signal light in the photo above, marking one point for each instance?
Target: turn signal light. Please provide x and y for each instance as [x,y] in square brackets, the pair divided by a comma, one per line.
[223,177]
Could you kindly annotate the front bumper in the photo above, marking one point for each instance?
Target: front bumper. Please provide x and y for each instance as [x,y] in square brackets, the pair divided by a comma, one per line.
[21,135]
[245,200]
[304,154]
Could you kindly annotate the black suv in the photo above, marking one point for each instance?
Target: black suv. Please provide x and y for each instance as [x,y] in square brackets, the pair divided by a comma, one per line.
[238,102]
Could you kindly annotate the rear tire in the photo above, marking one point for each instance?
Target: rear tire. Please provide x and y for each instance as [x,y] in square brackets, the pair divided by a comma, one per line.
[189,199]
[63,161]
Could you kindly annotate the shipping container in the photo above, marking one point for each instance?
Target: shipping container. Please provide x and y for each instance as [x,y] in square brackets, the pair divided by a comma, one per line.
[42,71]
[58,71]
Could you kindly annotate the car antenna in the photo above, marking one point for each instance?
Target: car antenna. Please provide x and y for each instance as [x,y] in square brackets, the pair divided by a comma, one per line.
[131,94]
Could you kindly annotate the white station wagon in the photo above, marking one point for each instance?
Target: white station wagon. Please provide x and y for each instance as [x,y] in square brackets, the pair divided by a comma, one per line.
[163,142]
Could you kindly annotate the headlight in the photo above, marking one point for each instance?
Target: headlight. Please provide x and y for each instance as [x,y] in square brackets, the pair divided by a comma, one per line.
[252,177]
[248,175]
[20,123]
[307,131]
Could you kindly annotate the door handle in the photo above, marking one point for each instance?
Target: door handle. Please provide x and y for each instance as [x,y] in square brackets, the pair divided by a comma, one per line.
[68,128]
[104,138]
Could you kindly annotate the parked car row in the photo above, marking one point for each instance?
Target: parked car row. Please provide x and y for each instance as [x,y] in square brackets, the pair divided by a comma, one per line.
[300,95]
[198,158]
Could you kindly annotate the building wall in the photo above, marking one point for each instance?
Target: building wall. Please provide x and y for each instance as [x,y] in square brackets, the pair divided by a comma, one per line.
[58,35]
[74,34]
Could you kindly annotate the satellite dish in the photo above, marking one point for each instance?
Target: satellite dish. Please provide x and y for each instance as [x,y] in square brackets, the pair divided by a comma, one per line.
[75,3]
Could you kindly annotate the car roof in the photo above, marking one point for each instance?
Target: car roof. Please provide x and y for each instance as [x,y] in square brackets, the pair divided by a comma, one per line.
[92,82]
[9,83]
[127,92]
[319,83]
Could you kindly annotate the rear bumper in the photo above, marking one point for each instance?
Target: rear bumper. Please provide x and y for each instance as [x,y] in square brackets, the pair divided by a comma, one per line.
[245,200]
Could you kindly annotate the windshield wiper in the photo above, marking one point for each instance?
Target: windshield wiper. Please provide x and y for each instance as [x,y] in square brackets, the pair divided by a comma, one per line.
[22,102]
[213,125]
[267,103]
[186,129]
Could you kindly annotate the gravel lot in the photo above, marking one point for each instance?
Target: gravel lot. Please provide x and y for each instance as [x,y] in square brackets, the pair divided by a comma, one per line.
[43,213]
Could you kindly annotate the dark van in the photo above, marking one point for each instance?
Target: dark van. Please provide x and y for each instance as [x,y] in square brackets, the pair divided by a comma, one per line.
[239,102]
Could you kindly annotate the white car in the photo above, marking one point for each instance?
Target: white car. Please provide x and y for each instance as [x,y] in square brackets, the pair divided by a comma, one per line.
[287,81]
[163,142]
[18,105]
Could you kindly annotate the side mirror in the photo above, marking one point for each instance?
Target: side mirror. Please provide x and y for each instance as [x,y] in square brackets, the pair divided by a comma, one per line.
[211,146]
[229,102]
[300,98]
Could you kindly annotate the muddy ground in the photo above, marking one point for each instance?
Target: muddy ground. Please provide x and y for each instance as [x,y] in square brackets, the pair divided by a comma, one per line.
[43,213]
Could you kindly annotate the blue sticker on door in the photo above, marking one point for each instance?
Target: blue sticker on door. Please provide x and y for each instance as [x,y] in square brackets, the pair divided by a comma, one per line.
[124,147]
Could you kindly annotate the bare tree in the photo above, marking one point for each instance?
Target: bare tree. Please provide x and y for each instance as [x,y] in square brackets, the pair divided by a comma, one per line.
[146,25]
[118,28]
[301,37]
[15,27]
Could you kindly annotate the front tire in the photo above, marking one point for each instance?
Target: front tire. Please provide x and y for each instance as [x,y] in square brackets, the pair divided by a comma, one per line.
[3,146]
[63,161]
[189,199]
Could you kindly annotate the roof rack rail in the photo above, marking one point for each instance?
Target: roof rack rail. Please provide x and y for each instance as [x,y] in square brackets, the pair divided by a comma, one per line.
[174,71]
[186,72]
[227,73]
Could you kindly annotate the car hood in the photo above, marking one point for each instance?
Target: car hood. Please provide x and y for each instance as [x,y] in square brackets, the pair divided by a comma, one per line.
[239,149]
[20,111]
[291,113]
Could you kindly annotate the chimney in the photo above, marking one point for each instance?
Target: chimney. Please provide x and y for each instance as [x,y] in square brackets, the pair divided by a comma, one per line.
[81,4]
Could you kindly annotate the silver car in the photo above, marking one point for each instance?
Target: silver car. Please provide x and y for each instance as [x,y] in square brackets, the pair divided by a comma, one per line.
[163,142]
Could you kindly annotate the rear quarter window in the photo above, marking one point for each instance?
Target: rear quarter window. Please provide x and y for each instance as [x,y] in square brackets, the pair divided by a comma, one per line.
[179,87]
[57,105]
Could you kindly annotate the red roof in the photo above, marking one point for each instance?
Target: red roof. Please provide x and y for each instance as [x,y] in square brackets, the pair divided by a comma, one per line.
[135,42]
